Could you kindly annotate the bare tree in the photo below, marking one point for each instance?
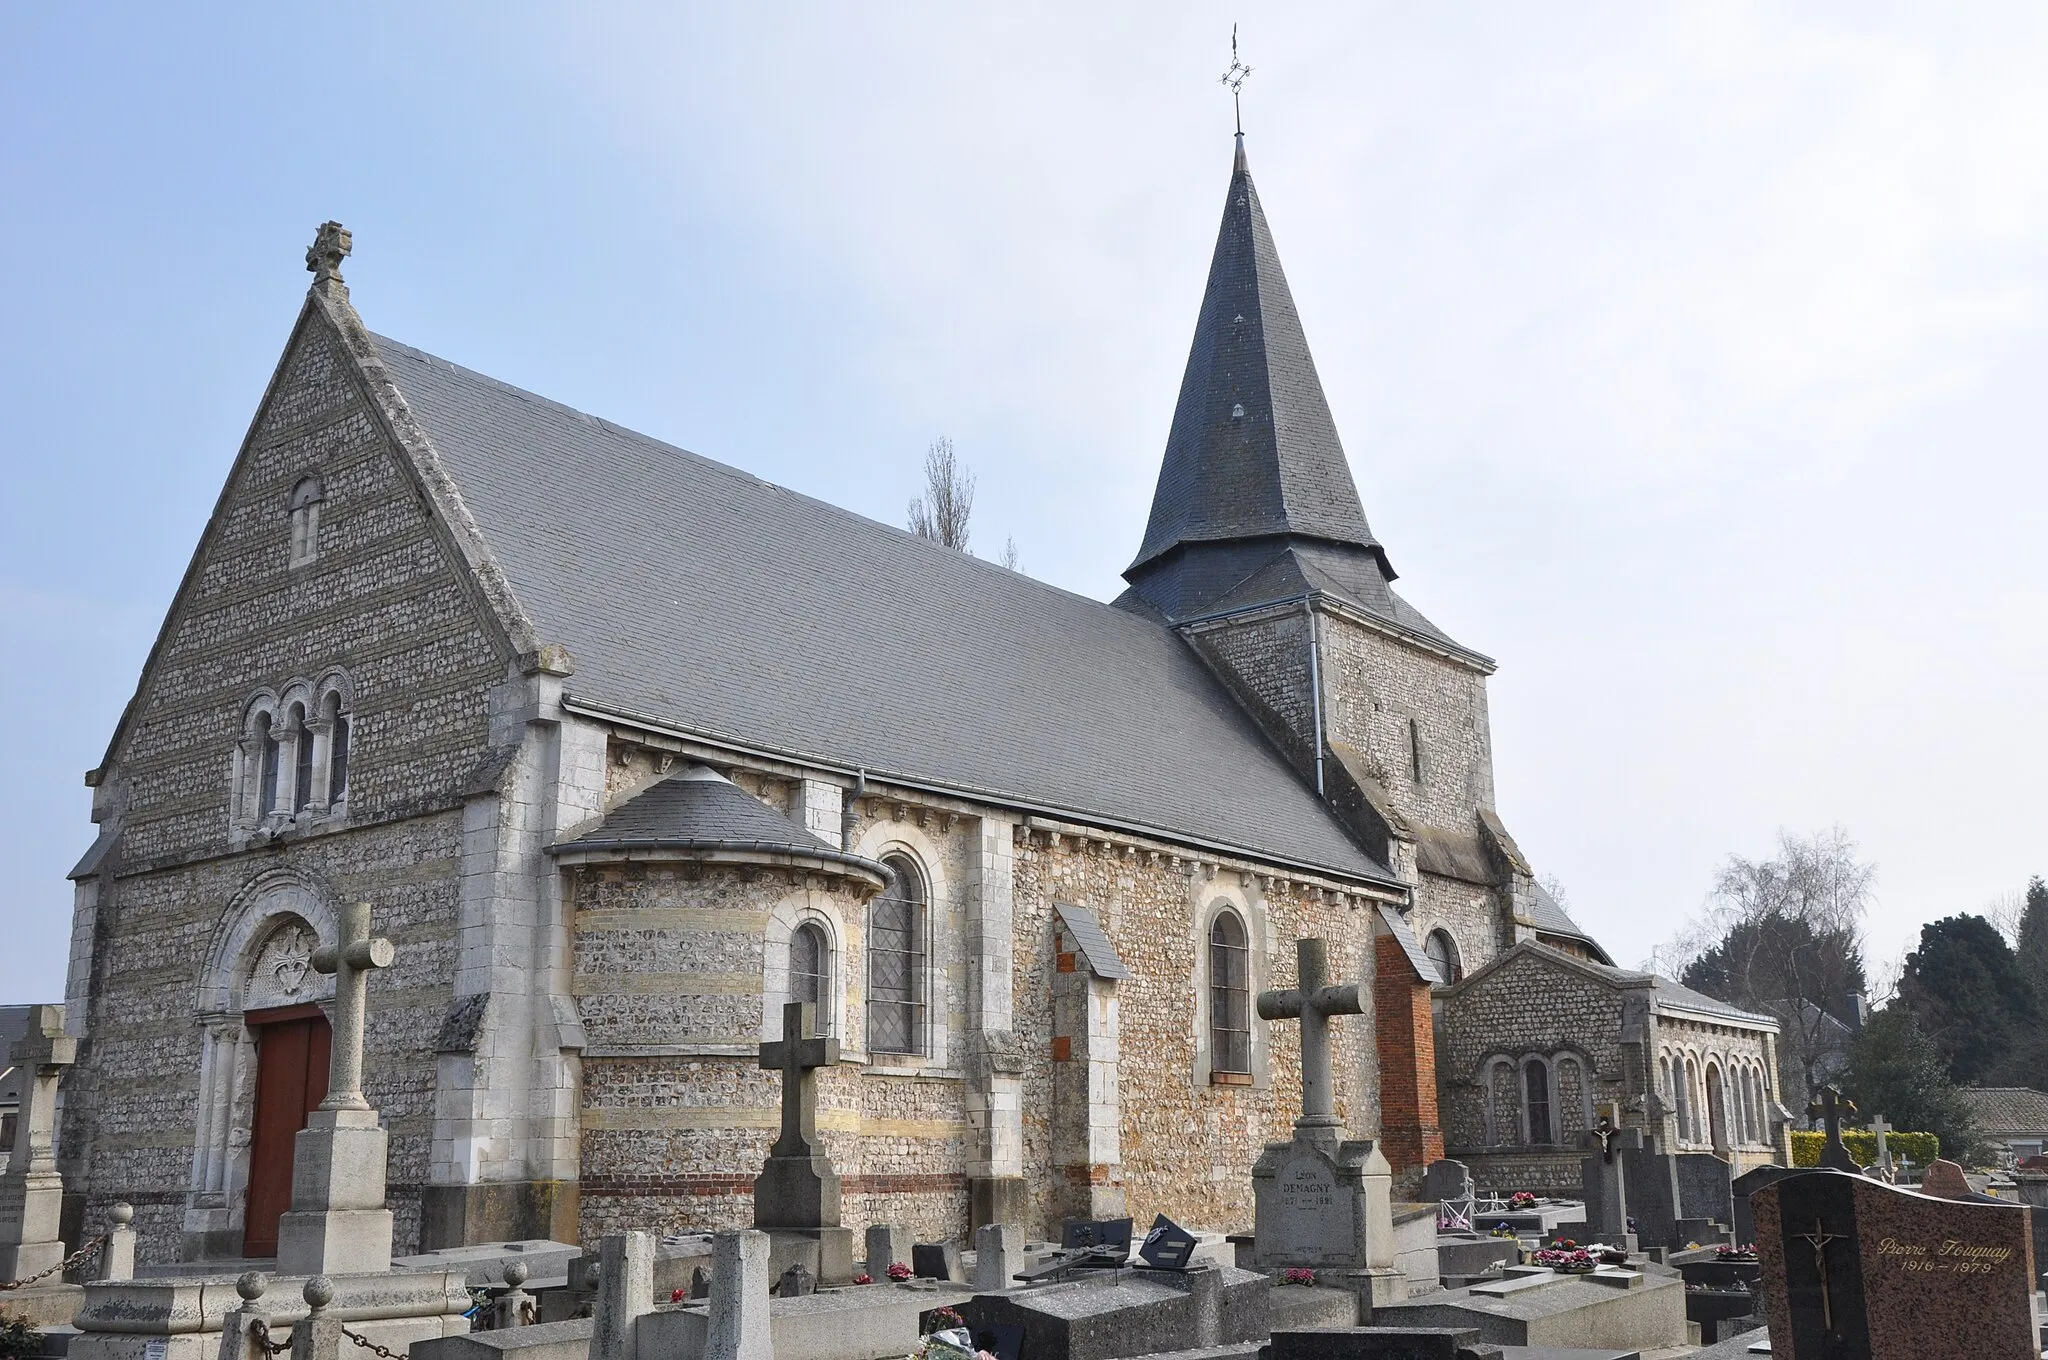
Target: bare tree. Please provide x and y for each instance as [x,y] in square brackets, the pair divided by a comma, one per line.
[1010,553]
[1784,936]
[941,513]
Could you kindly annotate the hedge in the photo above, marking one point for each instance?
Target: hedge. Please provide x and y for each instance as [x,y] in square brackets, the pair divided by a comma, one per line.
[1919,1148]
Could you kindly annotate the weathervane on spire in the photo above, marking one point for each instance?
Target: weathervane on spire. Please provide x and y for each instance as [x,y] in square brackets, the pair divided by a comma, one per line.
[1233,80]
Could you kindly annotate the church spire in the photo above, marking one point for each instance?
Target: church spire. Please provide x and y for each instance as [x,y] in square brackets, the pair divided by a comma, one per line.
[1253,464]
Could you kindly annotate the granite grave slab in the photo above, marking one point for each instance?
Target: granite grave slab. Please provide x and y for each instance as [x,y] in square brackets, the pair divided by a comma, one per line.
[1856,1268]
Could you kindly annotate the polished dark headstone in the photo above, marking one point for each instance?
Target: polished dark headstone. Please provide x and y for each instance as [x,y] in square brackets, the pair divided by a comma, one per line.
[1857,1270]
[1747,1184]
[1168,1246]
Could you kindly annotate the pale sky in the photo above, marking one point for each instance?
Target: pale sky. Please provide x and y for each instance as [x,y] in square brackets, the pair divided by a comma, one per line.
[1681,352]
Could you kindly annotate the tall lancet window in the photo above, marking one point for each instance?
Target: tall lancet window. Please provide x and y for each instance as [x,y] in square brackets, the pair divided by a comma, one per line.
[305,514]
[1230,997]
[896,925]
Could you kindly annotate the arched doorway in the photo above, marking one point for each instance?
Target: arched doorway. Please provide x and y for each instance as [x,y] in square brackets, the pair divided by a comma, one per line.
[262,1064]
[292,1046]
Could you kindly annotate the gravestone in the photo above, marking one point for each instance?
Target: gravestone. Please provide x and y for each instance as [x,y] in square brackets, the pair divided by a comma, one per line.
[1856,1268]
[31,1191]
[887,1245]
[1604,1180]
[625,1292]
[797,1193]
[1320,1201]
[1945,1180]
[998,1251]
[937,1261]
[1168,1246]
[796,1283]
[1103,1233]
[739,1320]
[1447,1182]
[1747,1184]
[1653,1198]
[338,1223]
[1831,1107]
[1705,1188]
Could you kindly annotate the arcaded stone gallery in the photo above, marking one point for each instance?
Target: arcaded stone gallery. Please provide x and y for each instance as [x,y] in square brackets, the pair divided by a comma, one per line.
[626,748]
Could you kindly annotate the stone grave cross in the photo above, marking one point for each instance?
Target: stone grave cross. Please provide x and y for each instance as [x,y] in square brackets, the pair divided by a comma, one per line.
[350,958]
[32,1191]
[1884,1153]
[1829,1107]
[798,1055]
[1313,1001]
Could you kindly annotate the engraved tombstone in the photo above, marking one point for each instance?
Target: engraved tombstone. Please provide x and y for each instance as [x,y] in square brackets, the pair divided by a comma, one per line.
[1856,1268]
[1321,1201]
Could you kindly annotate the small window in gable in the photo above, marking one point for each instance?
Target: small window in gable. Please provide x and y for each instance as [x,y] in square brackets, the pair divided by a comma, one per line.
[305,513]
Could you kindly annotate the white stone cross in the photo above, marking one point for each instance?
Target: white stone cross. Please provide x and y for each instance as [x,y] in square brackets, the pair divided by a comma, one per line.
[1313,1001]
[1884,1153]
[350,959]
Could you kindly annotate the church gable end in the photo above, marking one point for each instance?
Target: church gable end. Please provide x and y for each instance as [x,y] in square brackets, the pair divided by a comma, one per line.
[322,590]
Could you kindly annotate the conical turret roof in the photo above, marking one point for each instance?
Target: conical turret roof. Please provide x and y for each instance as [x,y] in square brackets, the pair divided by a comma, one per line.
[1253,452]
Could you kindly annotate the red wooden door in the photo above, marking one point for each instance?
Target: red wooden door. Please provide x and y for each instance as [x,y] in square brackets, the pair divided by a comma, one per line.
[291,1078]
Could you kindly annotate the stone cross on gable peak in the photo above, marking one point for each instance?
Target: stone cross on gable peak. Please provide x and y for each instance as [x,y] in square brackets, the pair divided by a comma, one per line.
[331,245]
[351,958]
[1312,1001]
[798,1055]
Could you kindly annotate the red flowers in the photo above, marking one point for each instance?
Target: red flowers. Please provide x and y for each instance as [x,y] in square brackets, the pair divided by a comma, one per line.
[898,1271]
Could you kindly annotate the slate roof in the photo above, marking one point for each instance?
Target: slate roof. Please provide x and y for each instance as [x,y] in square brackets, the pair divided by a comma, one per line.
[2008,1109]
[1095,947]
[699,597]
[697,806]
[1552,919]
[1253,449]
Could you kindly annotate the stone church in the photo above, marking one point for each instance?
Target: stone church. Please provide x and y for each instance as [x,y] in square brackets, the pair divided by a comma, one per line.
[626,748]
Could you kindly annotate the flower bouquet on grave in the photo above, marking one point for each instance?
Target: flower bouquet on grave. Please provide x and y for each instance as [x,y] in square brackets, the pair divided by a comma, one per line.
[863,1278]
[948,1339]
[1501,1230]
[1724,1252]
[1566,1257]
[899,1272]
[1521,1199]
[1299,1275]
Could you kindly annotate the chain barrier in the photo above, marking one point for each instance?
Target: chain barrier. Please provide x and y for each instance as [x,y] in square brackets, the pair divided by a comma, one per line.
[76,1258]
[259,1332]
[381,1352]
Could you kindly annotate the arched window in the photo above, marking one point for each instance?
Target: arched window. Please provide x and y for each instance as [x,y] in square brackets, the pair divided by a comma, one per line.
[1503,1105]
[1536,1104]
[1717,1107]
[302,759]
[1230,996]
[1681,1073]
[305,514]
[810,964]
[896,1010]
[267,761]
[1443,952]
[336,720]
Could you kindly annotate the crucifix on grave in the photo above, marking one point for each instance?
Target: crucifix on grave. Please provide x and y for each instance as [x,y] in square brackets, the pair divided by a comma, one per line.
[796,1196]
[1820,1238]
[338,1224]
[1830,1106]
[1321,1201]
[1604,1182]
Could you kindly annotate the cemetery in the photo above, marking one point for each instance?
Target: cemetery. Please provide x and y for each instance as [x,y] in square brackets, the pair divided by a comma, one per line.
[1653,1258]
